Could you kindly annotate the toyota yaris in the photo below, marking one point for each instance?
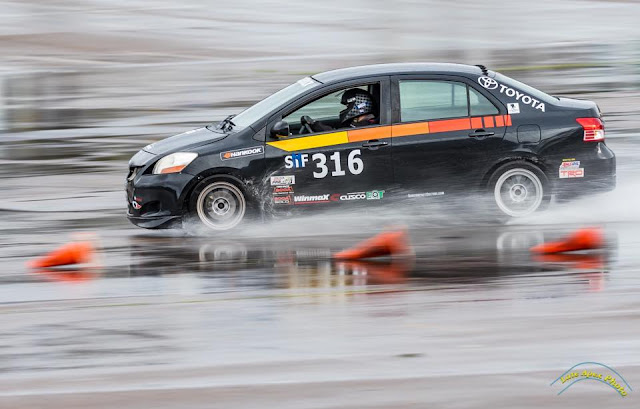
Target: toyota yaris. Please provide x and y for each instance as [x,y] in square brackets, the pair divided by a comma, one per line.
[376,135]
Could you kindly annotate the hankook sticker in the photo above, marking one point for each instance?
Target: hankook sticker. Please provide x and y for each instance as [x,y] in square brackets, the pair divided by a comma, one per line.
[240,153]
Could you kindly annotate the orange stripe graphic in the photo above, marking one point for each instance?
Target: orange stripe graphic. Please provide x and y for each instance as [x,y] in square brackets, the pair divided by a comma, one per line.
[369,133]
[476,123]
[499,121]
[488,122]
[508,120]
[449,125]
[410,129]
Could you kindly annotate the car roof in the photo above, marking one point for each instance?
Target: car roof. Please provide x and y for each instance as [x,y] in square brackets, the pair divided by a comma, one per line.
[395,68]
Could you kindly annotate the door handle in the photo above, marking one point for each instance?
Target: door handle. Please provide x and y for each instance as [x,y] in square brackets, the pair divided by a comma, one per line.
[374,144]
[481,133]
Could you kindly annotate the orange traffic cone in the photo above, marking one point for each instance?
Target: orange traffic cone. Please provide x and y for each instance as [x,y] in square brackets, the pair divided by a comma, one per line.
[73,253]
[394,243]
[583,239]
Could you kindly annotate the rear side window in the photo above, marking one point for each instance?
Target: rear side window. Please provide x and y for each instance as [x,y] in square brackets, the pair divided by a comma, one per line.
[479,105]
[426,100]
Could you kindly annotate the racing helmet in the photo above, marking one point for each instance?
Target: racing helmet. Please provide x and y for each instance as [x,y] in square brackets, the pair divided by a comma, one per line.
[358,102]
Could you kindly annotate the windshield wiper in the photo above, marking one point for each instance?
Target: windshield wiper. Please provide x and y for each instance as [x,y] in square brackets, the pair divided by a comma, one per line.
[226,124]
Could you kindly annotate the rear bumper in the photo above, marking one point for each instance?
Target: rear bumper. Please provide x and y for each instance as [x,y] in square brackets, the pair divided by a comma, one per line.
[596,174]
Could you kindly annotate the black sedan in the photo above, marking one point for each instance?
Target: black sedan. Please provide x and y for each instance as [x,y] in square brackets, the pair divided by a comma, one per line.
[376,134]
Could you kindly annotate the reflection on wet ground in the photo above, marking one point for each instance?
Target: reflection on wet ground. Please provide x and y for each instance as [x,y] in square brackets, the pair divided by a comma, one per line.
[445,257]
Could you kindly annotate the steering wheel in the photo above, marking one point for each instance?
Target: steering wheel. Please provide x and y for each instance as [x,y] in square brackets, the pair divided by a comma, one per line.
[306,122]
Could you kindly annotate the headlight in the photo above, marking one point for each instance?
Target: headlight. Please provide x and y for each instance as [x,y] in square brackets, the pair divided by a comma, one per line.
[174,163]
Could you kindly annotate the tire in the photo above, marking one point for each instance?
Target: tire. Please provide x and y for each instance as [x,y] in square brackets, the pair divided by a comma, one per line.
[218,204]
[519,189]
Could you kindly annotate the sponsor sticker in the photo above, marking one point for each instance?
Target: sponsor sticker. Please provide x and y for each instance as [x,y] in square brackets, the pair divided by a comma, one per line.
[282,189]
[426,194]
[513,108]
[490,83]
[305,199]
[375,195]
[283,180]
[574,164]
[240,153]
[283,200]
[341,197]
[348,196]
[570,169]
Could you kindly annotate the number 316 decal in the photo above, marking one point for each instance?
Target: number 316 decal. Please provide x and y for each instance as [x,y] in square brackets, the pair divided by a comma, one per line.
[299,160]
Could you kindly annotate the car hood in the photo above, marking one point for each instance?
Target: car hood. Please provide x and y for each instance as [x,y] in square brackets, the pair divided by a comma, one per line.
[184,141]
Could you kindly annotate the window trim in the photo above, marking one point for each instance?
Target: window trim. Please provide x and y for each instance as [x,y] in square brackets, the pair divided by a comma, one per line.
[384,108]
[395,96]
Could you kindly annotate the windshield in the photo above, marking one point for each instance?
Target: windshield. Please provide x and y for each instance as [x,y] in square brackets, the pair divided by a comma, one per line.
[250,115]
[536,93]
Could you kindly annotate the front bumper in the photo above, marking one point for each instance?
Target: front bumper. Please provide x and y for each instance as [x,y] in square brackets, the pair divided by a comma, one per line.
[155,201]
[154,222]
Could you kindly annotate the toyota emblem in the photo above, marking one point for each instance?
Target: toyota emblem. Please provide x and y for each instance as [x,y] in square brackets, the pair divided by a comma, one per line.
[488,83]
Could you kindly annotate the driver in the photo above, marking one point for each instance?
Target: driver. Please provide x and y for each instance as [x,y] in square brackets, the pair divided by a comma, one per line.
[359,109]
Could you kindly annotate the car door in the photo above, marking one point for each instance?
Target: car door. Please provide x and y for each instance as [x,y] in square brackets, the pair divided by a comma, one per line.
[334,167]
[445,134]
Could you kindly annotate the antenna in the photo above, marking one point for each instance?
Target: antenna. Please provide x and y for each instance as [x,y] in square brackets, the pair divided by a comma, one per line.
[483,68]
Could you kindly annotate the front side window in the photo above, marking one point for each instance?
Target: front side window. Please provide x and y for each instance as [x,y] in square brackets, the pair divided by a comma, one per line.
[350,107]
[426,100]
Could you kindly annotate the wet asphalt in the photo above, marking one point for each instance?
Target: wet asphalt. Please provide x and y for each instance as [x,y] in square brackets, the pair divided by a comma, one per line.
[263,317]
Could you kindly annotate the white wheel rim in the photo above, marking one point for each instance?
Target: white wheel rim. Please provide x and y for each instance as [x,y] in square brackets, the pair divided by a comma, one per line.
[221,206]
[518,192]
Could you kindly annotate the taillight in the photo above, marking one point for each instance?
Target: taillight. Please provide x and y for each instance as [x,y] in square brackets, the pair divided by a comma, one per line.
[593,129]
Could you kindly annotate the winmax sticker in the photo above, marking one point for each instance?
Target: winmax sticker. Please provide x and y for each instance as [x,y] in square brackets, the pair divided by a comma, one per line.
[490,83]
[240,153]
[304,199]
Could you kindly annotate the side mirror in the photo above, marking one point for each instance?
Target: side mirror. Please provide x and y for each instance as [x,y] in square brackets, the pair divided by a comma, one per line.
[280,130]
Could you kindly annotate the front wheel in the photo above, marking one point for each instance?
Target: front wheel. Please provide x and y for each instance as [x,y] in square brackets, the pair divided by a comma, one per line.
[519,189]
[218,205]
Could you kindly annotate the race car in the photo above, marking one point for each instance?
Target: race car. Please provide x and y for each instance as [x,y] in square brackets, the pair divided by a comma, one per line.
[376,135]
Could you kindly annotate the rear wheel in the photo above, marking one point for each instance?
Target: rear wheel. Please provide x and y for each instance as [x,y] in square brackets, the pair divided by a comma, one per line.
[218,205]
[519,189]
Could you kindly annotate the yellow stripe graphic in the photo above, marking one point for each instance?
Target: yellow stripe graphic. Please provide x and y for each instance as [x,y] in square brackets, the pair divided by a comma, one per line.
[310,142]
